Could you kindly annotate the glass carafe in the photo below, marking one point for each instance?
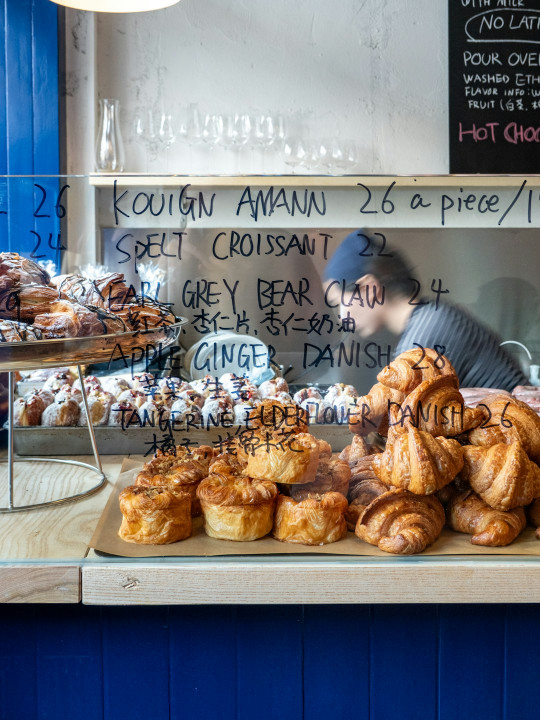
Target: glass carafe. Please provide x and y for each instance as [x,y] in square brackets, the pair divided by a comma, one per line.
[109,146]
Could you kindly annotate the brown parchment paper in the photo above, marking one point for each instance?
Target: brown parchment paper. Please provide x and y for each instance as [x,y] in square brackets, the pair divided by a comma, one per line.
[106,539]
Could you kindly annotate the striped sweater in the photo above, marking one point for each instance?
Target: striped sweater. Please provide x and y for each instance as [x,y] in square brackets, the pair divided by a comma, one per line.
[472,348]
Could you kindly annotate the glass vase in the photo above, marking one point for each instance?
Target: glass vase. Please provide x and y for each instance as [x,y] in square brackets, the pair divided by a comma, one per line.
[109,145]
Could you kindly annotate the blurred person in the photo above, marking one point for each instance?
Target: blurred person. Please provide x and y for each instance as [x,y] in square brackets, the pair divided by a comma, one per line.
[372,285]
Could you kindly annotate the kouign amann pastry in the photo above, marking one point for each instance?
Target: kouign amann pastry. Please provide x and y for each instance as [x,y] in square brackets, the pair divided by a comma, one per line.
[400,522]
[316,520]
[503,475]
[413,367]
[468,513]
[417,461]
[154,515]
[332,475]
[289,461]
[510,420]
[237,507]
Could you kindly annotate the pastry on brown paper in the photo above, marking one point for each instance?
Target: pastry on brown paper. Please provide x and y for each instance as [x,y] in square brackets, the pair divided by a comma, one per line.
[503,475]
[400,522]
[332,475]
[289,461]
[316,520]
[468,513]
[416,461]
[372,410]
[437,407]
[510,420]
[237,507]
[533,513]
[413,367]
[154,515]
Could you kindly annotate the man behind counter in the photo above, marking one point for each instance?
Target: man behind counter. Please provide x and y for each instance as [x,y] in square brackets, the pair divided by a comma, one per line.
[472,348]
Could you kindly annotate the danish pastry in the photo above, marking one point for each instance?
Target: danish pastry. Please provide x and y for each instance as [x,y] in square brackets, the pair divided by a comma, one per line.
[154,515]
[237,507]
[289,461]
[316,520]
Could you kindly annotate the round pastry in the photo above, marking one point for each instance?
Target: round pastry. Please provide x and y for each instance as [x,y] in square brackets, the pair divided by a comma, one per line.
[325,449]
[144,382]
[90,382]
[237,507]
[333,475]
[242,413]
[168,389]
[63,413]
[12,331]
[154,515]
[192,396]
[153,414]
[339,389]
[99,404]
[68,392]
[27,411]
[206,386]
[58,380]
[316,520]
[228,463]
[19,270]
[318,412]
[289,461]
[123,414]
[135,397]
[309,393]
[183,410]
[46,395]
[115,385]
[217,412]
[272,416]
[26,302]
[269,388]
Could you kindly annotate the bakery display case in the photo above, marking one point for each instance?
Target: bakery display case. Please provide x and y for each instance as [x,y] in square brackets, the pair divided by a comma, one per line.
[233,374]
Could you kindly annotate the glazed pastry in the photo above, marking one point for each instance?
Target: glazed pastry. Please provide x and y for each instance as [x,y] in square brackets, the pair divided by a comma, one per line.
[413,367]
[154,515]
[372,410]
[63,413]
[27,301]
[272,416]
[416,461]
[269,388]
[27,411]
[99,404]
[18,270]
[107,292]
[510,420]
[144,314]
[236,507]
[227,463]
[12,331]
[502,475]
[533,512]
[316,520]
[290,461]
[358,448]
[400,522]
[437,407]
[468,513]
[332,475]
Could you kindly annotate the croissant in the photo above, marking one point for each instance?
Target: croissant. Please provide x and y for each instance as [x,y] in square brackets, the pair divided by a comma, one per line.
[417,461]
[412,367]
[533,511]
[358,448]
[437,407]
[364,483]
[468,513]
[332,475]
[371,414]
[502,475]
[399,522]
[510,420]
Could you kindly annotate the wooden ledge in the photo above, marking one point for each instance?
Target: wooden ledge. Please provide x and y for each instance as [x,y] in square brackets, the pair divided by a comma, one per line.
[40,583]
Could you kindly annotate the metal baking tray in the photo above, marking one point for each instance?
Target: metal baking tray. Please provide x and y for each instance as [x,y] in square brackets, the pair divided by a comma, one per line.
[31,355]
[58,441]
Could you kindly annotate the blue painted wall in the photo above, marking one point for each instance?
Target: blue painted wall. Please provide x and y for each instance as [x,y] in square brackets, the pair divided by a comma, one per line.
[270,662]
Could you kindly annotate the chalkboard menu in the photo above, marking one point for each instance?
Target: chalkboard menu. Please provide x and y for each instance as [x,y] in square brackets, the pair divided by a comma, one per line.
[494,86]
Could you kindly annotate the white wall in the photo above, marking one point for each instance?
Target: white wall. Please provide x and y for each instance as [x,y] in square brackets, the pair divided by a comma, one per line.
[371,70]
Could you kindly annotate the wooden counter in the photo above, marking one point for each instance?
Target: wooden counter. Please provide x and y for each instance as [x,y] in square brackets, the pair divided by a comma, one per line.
[44,558]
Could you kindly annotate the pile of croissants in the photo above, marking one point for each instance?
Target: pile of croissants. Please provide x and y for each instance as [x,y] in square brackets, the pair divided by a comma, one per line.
[34,306]
[473,468]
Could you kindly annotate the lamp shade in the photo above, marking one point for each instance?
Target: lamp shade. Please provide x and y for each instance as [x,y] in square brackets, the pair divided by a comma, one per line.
[116,6]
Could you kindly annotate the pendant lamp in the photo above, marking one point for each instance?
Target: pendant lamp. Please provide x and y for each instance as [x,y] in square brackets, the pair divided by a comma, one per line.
[116,6]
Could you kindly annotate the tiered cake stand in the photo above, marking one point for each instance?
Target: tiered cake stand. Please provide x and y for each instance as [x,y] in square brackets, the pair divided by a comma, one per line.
[72,351]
